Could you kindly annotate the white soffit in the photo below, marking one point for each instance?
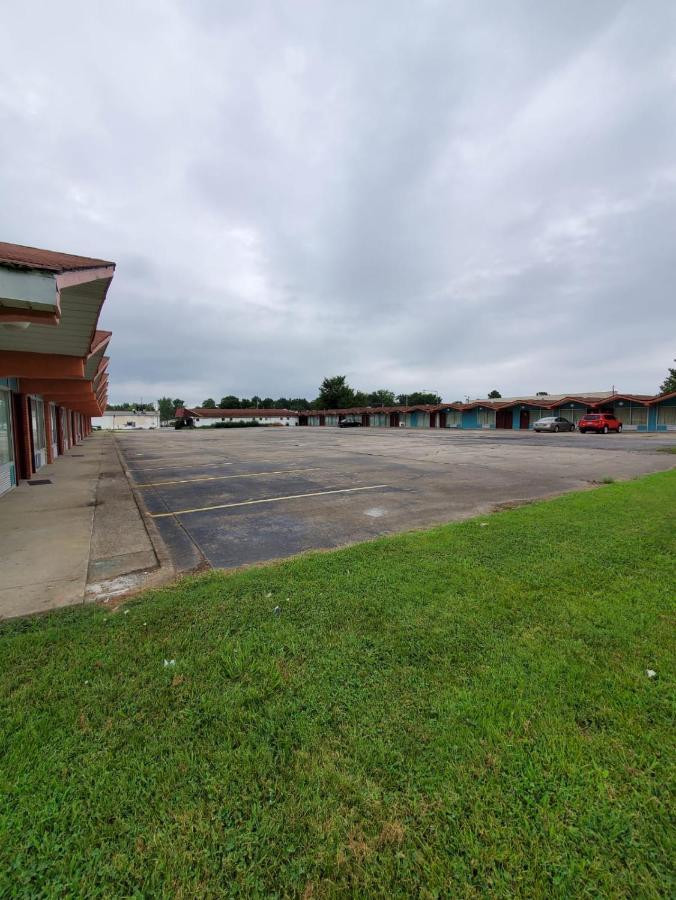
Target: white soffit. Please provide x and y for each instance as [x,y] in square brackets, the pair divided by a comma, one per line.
[80,308]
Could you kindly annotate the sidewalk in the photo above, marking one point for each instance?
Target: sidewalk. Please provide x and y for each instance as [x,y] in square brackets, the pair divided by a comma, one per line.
[79,538]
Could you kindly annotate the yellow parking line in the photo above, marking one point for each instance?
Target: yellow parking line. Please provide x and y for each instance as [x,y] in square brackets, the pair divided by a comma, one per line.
[148,484]
[182,512]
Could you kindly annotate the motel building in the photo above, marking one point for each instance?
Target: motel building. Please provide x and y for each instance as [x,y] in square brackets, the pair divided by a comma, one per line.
[637,412]
[52,355]
[200,417]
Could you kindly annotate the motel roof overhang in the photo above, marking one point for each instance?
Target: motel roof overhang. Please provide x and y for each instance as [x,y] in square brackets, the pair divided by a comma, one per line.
[49,310]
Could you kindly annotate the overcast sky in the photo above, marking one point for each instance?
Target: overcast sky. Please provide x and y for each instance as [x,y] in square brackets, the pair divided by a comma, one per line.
[453,196]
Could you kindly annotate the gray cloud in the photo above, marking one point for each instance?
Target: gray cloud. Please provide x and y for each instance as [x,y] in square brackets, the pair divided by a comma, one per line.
[451,196]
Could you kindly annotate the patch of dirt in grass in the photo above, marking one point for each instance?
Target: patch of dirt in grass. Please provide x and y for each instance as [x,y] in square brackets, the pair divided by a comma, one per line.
[391,833]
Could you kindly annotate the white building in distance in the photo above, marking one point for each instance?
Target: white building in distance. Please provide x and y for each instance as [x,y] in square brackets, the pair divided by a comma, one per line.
[126,420]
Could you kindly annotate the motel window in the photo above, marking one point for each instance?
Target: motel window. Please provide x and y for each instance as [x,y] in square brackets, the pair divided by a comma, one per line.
[453,417]
[7,474]
[666,415]
[38,416]
[632,415]
[573,415]
[535,414]
[486,417]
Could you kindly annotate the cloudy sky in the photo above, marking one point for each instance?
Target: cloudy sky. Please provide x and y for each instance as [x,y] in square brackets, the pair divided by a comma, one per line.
[453,196]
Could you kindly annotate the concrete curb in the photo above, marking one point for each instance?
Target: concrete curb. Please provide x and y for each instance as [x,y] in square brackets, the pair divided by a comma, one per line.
[165,559]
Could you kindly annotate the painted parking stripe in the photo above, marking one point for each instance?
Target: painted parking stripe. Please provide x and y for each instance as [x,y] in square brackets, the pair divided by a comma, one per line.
[180,465]
[183,512]
[149,484]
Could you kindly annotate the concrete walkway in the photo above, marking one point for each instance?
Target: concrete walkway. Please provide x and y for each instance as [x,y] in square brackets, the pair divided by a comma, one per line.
[80,537]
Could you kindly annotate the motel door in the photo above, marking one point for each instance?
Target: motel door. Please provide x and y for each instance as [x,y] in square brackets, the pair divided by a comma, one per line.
[7,470]
[524,419]
[38,429]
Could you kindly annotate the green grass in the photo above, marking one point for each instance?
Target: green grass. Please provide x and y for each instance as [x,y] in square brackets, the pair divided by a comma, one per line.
[459,712]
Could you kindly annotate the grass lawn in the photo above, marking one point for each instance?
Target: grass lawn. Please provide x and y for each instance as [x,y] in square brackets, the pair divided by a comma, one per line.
[459,712]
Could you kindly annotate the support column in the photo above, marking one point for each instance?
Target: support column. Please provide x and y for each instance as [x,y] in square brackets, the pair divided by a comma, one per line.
[48,430]
[25,438]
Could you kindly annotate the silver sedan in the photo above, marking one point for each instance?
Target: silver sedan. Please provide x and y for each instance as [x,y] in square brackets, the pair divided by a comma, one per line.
[553,423]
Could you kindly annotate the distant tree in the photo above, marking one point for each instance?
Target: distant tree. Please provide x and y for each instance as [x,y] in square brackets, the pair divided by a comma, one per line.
[281,403]
[256,401]
[335,393]
[418,398]
[542,394]
[494,395]
[178,404]
[669,383]
[245,403]
[132,407]
[209,404]
[360,399]
[381,398]
[229,402]
[166,408]
[267,403]
[299,404]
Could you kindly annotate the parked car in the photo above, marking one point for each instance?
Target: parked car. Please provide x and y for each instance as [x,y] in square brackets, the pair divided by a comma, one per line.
[601,423]
[349,423]
[553,423]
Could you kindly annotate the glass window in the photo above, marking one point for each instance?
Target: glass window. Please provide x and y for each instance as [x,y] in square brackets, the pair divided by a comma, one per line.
[639,415]
[6,446]
[38,421]
[666,415]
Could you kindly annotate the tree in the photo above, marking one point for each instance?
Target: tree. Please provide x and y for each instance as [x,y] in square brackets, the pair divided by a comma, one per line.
[267,403]
[282,403]
[669,383]
[178,404]
[335,393]
[132,407]
[245,403]
[419,398]
[542,394]
[360,399]
[381,398]
[209,404]
[494,395]
[299,404]
[229,402]
[256,401]
[166,408]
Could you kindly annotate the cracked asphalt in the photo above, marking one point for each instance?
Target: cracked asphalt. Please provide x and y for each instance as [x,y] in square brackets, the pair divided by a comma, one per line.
[232,497]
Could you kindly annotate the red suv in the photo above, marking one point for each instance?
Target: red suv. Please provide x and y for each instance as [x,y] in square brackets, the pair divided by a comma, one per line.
[601,423]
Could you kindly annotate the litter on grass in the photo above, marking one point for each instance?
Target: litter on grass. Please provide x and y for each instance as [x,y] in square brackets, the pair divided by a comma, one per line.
[651,673]
[169,662]
[276,611]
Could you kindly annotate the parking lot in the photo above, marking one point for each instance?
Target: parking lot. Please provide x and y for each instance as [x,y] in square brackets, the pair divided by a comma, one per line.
[229,497]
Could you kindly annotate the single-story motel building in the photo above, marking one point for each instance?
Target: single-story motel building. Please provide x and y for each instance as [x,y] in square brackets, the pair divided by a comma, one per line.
[52,355]
[119,420]
[636,412]
[199,417]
